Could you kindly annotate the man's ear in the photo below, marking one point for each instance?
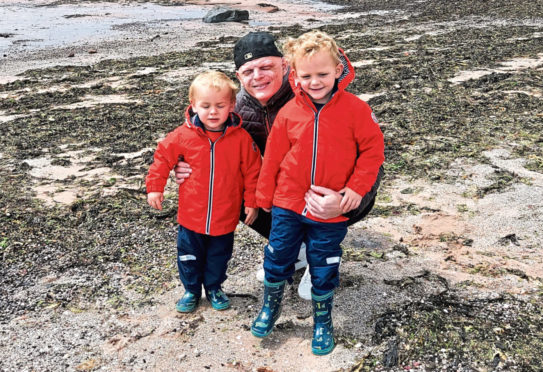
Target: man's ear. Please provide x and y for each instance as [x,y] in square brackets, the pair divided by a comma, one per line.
[284,65]
[339,69]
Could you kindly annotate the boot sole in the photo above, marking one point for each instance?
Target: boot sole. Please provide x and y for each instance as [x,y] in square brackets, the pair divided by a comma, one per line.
[221,307]
[185,309]
[323,352]
[261,335]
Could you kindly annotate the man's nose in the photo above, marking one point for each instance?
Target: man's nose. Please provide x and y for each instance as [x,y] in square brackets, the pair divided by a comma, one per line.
[256,73]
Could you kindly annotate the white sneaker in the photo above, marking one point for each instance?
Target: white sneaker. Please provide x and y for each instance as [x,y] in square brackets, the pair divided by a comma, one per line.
[304,289]
[302,258]
[297,266]
[260,274]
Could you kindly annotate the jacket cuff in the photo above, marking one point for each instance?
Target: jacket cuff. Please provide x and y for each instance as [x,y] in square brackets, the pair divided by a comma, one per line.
[264,203]
[250,203]
[359,189]
[153,188]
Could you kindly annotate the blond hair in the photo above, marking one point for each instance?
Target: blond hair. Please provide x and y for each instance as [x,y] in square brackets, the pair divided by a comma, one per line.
[308,44]
[213,79]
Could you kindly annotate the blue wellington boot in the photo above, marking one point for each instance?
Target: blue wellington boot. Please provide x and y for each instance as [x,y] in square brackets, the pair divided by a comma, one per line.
[188,302]
[271,309]
[218,299]
[323,329]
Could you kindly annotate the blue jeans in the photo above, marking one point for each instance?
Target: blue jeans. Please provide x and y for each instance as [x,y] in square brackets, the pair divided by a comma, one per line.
[323,252]
[203,259]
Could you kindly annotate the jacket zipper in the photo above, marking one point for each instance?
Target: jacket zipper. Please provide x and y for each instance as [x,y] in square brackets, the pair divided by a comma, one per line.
[315,140]
[315,149]
[211,181]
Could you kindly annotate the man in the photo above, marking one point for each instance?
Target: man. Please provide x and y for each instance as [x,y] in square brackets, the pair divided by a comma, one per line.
[263,74]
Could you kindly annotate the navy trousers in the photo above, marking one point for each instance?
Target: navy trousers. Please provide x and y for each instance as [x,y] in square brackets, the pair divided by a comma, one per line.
[323,252]
[203,259]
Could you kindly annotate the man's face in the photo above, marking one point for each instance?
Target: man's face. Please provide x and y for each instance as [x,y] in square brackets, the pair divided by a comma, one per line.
[262,77]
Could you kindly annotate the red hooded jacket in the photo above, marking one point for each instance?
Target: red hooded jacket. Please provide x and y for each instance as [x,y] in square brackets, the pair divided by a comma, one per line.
[223,172]
[339,146]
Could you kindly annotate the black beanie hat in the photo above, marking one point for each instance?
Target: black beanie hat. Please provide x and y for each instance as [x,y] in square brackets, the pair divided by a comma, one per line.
[255,45]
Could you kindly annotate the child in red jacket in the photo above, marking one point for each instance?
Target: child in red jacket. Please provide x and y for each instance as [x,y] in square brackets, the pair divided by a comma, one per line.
[327,137]
[225,164]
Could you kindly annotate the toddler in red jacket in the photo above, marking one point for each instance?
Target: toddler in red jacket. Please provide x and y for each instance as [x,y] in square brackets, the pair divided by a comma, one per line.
[225,163]
[324,136]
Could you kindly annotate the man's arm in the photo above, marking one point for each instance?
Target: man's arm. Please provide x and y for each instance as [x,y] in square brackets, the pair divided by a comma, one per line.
[250,168]
[324,203]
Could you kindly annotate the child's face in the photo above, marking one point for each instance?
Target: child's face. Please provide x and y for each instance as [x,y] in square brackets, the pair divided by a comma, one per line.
[212,106]
[317,75]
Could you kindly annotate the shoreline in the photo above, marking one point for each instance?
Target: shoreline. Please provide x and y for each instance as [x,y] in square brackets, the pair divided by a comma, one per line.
[163,34]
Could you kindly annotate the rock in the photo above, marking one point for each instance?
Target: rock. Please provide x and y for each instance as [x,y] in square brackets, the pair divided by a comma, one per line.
[390,356]
[225,14]
[269,8]
[509,239]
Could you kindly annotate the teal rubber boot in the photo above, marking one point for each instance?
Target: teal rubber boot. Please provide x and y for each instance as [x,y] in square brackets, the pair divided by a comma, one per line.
[218,299]
[323,329]
[271,309]
[188,302]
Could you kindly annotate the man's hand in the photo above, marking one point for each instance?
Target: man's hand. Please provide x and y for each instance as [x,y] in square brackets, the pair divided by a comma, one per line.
[351,200]
[155,199]
[252,214]
[182,171]
[323,203]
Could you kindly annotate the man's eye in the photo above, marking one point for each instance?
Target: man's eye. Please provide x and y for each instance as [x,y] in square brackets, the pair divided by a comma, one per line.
[247,73]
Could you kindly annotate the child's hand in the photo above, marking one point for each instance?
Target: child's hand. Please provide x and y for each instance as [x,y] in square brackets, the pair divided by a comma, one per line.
[252,214]
[155,199]
[351,200]
[267,210]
